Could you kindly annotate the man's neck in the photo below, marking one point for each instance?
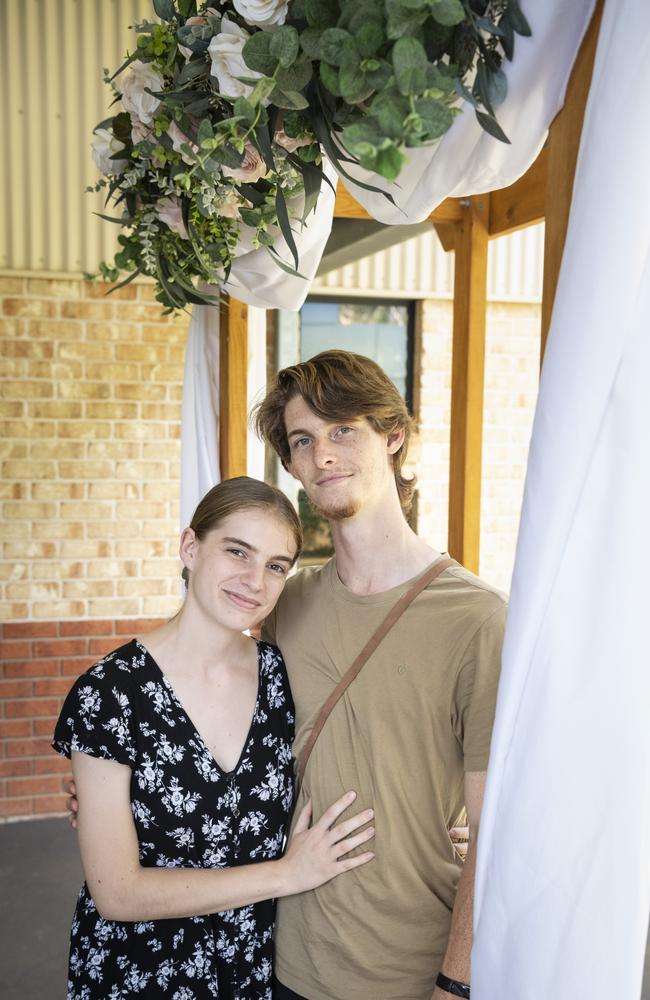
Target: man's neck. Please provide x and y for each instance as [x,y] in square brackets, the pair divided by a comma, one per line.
[376,550]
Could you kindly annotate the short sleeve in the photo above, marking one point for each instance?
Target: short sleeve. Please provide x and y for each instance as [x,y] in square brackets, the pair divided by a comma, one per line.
[476,690]
[97,718]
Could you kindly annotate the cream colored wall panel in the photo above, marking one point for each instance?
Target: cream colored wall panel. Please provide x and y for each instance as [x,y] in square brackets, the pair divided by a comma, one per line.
[420,268]
[52,54]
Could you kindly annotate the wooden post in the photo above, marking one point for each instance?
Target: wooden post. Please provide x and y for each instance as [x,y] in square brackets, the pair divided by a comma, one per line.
[233,387]
[563,144]
[468,357]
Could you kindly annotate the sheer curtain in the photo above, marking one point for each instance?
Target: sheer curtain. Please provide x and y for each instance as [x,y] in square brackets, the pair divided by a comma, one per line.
[563,884]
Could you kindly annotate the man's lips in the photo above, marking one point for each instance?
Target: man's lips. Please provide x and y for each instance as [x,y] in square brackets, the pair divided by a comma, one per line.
[330,480]
[242,602]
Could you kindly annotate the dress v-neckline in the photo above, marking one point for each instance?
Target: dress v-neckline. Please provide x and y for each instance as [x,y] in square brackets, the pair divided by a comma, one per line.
[170,688]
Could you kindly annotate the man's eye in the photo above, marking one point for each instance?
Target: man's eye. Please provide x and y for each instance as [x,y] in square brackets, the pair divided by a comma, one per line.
[344,430]
[277,568]
[301,442]
[236,552]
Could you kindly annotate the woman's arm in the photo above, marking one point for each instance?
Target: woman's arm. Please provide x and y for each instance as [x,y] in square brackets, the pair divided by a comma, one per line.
[123,890]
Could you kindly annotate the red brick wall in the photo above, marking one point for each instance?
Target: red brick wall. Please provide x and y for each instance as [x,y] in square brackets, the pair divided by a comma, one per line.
[39,661]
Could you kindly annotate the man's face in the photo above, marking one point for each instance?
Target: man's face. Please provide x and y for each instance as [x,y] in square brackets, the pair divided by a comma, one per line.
[343,466]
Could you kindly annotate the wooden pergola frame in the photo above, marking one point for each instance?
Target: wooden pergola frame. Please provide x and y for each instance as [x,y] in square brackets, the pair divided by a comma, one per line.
[464,226]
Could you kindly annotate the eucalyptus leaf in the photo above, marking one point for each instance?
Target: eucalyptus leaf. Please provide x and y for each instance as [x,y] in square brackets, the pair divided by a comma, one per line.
[409,65]
[378,78]
[321,13]
[295,77]
[492,126]
[257,53]
[191,71]
[310,42]
[390,111]
[333,44]
[507,37]
[205,132]
[436,116]
[402,21]
[330,79]
[389,162]
[285,45]
[370,37]
[164,9]
[244,109]
[517,19]
[352,80]
[497,87]
[285,225]
[292,99]
[448,12]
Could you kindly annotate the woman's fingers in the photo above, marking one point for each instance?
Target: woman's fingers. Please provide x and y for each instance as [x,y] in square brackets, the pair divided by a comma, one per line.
[331,815]
[347,864]
[345,846]
[350,825]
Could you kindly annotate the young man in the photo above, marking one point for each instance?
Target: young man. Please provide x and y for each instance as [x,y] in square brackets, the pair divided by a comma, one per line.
[412,732]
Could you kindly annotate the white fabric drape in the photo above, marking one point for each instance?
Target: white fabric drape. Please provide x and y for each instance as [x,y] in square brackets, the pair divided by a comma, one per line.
[563,883]
[200,410]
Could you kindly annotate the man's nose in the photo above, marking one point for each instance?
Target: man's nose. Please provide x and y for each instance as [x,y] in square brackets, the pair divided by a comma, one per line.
[323,453]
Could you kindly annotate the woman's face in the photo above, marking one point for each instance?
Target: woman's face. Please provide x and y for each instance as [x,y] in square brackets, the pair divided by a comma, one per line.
[238,570]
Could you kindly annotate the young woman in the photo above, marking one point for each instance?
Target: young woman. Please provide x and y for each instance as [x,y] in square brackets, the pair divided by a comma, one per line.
[181,754]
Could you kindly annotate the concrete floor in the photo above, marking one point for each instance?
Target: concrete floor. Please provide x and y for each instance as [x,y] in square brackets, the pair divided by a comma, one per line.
[40,876]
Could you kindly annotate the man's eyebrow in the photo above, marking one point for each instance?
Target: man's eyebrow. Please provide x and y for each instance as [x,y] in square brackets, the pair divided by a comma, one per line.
[297,431]
[251,548]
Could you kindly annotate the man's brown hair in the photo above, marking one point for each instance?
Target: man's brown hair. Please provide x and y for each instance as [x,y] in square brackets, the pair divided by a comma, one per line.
[338,385]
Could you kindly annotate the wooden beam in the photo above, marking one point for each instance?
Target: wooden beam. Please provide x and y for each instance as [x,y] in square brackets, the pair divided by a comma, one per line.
[347,207]
[563,144]
[522,203]
[468,358]
[446,233]
[233,387]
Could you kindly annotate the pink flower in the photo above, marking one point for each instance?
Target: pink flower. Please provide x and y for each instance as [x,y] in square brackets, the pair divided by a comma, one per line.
[170,212]
[252,169]
[178,139]
[289,143]
[139,130]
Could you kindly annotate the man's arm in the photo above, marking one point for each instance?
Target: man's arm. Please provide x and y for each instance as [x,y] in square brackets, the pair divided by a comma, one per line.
[456,963]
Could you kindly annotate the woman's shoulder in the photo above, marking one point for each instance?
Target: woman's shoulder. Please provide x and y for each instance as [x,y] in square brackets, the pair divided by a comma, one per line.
[120,663]
[270,657]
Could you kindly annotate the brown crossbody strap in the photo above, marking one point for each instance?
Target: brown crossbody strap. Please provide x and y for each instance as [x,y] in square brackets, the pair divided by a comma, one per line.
[378,635]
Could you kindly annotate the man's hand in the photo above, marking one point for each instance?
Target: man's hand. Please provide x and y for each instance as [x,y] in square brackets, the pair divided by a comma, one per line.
[72,804]
[459,836]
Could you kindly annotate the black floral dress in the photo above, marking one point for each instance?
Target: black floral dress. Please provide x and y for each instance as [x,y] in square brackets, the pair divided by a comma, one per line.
[188,814]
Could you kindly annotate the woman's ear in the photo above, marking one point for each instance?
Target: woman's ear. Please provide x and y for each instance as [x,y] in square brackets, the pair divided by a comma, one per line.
[187,547]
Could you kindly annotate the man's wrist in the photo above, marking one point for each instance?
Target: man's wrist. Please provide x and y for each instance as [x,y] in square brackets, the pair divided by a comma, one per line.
[452,986]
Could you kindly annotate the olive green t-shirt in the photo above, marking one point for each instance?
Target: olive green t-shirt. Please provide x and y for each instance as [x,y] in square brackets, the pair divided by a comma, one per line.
[416,718]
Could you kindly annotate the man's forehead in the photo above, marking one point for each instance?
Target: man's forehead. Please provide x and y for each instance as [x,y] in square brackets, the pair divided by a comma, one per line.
[298,415]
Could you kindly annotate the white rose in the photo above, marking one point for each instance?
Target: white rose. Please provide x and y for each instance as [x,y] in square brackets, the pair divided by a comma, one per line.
[104,147]
[291,144]
[227,60]
[134,97]
[179,139]
[170,212]
[252,169]
[228,206]
[262,12]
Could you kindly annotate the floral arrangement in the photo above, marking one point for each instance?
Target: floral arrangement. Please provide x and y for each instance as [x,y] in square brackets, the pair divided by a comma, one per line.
[226,114]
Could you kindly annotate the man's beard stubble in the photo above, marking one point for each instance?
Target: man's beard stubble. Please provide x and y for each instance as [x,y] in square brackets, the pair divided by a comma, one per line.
[340,512]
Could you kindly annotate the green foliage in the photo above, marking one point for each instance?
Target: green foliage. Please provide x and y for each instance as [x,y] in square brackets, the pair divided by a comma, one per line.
[363,80]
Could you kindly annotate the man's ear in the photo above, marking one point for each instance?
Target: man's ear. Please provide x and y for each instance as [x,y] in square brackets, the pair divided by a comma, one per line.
[395,440]
[187,547]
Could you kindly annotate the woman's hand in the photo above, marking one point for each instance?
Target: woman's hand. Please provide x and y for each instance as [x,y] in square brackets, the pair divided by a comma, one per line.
[72,804]
[317,853]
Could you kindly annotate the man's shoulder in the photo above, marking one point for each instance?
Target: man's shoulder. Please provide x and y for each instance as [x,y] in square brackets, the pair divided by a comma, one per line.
[467,597]
[304,584]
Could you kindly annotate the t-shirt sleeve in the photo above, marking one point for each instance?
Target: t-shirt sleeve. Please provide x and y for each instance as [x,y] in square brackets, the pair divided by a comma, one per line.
[97,718]
[476,690]
[269,626]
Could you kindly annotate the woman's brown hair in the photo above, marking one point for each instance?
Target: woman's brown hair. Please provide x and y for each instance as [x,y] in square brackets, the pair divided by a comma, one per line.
[237,494]
[339,385]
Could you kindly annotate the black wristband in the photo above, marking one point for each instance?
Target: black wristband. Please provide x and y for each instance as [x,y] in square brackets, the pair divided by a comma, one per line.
[452,986]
